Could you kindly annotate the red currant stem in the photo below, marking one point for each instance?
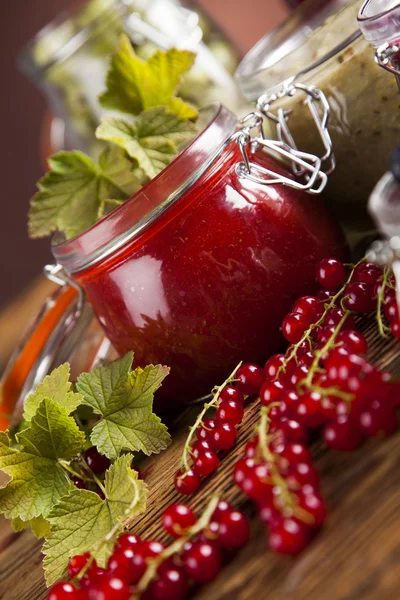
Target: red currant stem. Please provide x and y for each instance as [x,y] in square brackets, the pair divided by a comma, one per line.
[383,329]
[307,333]
[94,476]
[269,457]
[113,533]
[332,391]
[65,464]
[176,547]
[320,353]
[199,421]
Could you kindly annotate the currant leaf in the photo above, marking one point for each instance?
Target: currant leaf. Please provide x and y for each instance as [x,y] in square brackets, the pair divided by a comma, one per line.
[38,480]
[83,522]
[124,399]
[40,527]
[71,192]
[134,85]
[57,387]
[153,140]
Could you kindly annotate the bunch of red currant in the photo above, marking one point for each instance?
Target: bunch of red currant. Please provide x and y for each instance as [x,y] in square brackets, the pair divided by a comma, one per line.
[322,380]
[152,571]
[219,433]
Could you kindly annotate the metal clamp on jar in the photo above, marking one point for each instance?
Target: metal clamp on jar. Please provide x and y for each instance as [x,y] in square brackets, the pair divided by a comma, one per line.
[318,55]
[379,21]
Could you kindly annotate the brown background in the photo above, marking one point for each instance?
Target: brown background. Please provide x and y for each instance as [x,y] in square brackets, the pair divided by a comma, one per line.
[22,108]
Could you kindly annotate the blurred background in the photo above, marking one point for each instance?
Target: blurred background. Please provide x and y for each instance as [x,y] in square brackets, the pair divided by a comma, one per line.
[23,109]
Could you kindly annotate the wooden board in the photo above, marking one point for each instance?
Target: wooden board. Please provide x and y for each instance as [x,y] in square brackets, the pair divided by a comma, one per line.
[356,555]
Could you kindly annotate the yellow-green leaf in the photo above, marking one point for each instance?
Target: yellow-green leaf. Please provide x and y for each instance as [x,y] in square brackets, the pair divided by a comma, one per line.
[153,139]
[56,386]
[83,522]
[134,85]
[125,401]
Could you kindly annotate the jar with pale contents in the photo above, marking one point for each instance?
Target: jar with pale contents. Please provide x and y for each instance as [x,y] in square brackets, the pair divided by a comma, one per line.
[322,46]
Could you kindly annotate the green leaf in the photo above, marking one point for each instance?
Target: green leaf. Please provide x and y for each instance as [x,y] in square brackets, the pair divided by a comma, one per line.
[125,401]
[83,522]
[57,387]
[152,140]
[71,192]
[134,85]
[38,479]
[40,527]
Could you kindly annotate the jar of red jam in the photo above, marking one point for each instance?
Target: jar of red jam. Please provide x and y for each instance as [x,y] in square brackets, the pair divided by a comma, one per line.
[197,270]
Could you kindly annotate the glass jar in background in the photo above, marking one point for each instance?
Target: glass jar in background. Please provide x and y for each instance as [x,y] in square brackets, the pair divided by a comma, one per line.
[197,270]
[68,60]
[321,45]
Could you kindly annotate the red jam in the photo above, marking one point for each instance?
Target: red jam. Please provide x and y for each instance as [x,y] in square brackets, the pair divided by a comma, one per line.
[207,283]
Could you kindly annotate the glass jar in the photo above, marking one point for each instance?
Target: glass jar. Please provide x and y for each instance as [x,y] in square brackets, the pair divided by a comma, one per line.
[321,45]
[69,59]
[197,270]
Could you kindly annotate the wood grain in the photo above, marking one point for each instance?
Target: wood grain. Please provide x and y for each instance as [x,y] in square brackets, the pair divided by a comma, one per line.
[355,557]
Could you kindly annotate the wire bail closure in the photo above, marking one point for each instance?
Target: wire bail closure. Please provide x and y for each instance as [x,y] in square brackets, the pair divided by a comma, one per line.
[308,169]
[387,56]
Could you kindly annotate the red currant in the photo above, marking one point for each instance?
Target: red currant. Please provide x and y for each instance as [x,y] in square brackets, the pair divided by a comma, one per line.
[294,326]
[77,562]
[111,588]
[231,393]
[206,463]
[315,506]
[187,483]
[289,536]
[342,434]
[324,296]
[391,311]
[250,378]
[367,272]
[224,436]
[308,410]
[294,431]
[302,473]
[271,391]
[127,540]
[352,341]
[234,530]
[172,584]
[307,359]
[395,328]
[223,508]
[230,411]
[250,449]
[331,273]
[202,562]
[177,518]
[294,452]
[127,564]
[78,482]
[273,364]
[378,417]
[309,306]
[96,461]
[94,577]
[150,549]
[257,483]
[359,297]
[64,590]
[205,432]
[201,446]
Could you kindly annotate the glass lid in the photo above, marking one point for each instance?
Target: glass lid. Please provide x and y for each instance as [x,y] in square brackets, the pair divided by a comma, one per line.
[315,32]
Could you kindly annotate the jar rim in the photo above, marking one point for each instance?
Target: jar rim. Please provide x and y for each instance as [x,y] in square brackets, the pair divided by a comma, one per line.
[129,219]
[379,24]
[254,75]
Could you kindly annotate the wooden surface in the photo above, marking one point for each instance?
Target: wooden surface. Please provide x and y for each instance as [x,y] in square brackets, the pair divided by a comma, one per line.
[355,557]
